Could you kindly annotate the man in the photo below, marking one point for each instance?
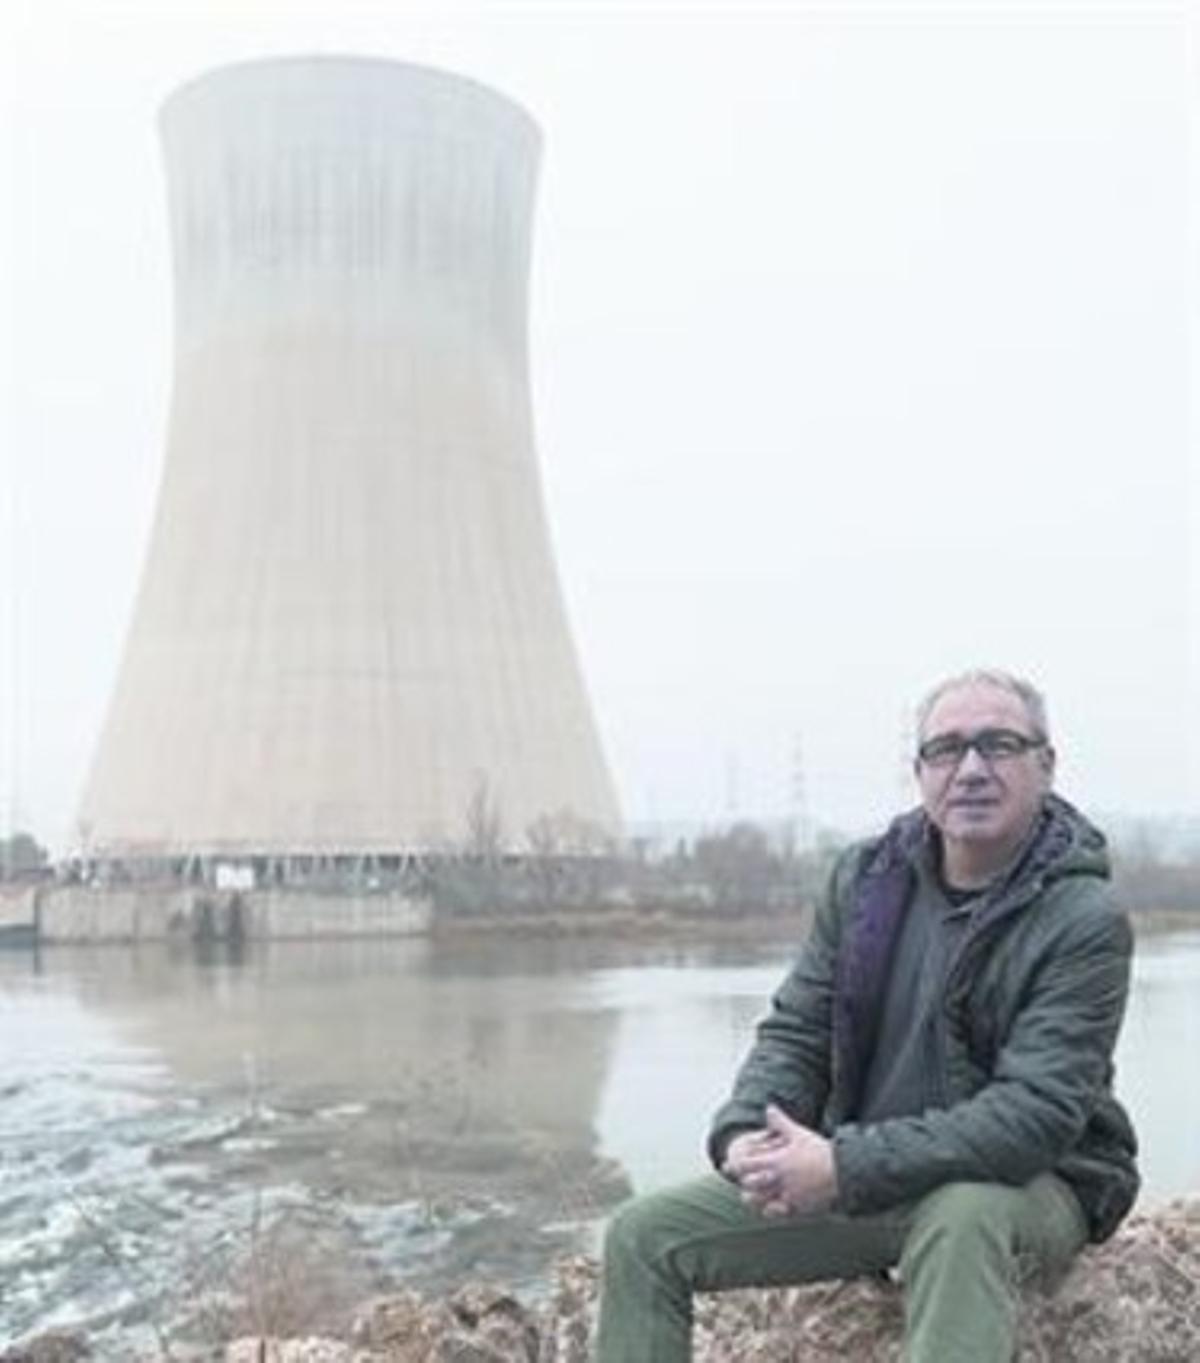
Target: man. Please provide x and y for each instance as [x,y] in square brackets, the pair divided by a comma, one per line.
[932,1089]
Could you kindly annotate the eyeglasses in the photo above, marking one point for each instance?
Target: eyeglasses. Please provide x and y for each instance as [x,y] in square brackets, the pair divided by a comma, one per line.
[993,745]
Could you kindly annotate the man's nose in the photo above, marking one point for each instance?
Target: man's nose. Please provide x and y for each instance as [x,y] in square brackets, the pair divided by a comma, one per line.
[972,767]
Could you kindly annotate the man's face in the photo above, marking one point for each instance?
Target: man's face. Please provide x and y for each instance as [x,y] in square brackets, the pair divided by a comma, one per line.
[976,799]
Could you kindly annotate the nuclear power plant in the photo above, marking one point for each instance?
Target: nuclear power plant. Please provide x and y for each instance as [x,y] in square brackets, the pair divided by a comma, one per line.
[349,636]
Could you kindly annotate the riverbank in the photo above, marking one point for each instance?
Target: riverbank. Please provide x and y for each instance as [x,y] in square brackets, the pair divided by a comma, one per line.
[1161,924]
[670,925]
[633,925]
[55,916]
[1133,1299]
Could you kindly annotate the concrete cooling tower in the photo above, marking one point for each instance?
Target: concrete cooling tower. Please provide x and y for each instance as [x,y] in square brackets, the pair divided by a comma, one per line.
[349,622]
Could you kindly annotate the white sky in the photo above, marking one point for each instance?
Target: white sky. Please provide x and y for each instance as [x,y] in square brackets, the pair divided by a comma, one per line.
[860,353]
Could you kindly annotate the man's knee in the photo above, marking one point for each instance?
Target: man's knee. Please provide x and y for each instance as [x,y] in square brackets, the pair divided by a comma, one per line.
[960,1215]
[626,1227]
[653,1227]
[640,1227]
[969,1203]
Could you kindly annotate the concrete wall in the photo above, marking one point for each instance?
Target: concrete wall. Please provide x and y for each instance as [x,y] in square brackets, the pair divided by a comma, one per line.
[279,913]
[81,914]
[18,906]
[78,914]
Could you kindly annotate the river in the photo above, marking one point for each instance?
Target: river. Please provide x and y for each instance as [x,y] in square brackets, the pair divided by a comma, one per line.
[421,1110]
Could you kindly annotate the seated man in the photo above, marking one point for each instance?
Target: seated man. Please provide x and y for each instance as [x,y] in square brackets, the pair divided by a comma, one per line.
[932,1088]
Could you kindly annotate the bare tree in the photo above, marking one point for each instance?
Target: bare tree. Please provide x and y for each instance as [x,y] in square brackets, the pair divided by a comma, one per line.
[485,827]
[565,834]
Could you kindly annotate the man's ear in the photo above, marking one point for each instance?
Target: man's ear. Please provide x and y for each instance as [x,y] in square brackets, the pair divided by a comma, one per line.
[1049,758]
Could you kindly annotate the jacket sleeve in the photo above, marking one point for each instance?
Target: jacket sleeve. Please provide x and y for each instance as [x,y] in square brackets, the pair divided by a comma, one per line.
[1053,1066]
[790,1061]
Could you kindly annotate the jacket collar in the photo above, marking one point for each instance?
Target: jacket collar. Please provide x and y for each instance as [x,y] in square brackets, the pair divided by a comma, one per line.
[882,892]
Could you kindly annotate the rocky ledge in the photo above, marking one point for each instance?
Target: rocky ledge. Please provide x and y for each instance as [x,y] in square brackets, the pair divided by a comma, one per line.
[1135,1299]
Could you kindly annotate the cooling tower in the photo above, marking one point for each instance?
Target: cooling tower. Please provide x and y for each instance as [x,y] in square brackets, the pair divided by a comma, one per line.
[349,621]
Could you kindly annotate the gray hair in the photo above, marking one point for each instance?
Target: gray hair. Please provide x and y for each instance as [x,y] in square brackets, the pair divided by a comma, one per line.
[1028,694]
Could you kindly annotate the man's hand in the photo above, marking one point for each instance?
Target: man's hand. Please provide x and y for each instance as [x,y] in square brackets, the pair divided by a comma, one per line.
[783,1168]
[743,1146]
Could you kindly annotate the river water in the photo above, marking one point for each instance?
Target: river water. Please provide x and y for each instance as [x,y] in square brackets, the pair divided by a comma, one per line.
[421,1111]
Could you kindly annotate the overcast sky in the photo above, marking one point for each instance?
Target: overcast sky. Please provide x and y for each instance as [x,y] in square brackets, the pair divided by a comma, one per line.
[860,354]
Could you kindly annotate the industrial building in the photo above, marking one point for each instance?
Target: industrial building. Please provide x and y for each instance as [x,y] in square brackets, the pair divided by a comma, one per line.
[349,639]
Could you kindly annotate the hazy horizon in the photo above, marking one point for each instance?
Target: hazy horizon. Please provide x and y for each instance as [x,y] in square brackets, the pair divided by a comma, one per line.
[861,354]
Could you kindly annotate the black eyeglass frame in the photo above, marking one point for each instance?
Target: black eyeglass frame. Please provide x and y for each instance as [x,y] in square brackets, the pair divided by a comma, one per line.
[992,745]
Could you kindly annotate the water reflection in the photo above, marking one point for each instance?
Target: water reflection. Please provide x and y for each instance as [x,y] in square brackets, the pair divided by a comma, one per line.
[338,1017]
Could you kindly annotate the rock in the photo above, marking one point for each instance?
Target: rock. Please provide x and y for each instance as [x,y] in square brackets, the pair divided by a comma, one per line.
[480,1323]
[404,1326]
[498,1321]
[294,1351]
[55,1346]
[569,1318]
[297,1351]
[1133,1300]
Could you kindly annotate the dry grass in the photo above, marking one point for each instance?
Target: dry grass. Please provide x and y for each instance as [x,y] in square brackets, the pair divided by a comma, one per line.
[291,1276]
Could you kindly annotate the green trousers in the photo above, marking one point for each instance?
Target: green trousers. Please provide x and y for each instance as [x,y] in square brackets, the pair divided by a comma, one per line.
[961,1252]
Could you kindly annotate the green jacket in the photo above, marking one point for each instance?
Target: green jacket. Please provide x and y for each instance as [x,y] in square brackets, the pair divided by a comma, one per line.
[1032,1002]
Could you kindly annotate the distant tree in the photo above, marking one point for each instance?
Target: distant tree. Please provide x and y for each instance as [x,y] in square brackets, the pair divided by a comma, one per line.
[738,865]
[564,852]
[485,826]
[565,834]
[21,855]
[1150,876]
[467,877]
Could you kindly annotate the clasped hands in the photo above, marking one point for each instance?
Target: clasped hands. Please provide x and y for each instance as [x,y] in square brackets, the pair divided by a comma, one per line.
[783,1169]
